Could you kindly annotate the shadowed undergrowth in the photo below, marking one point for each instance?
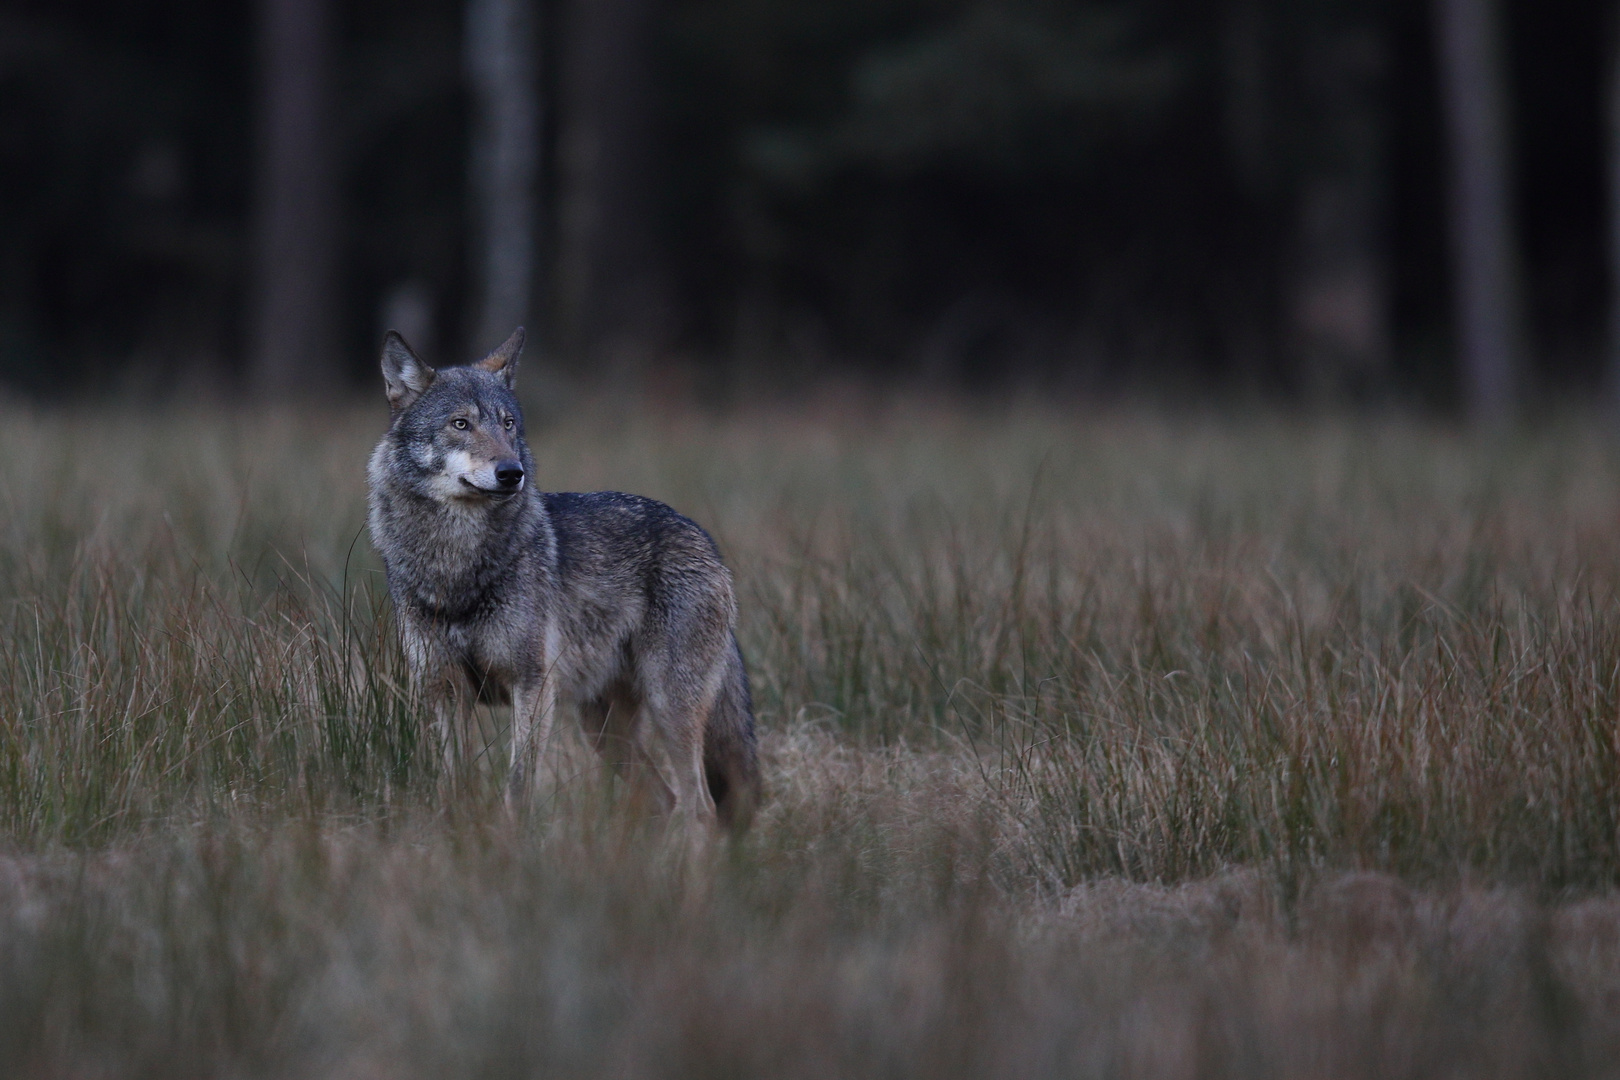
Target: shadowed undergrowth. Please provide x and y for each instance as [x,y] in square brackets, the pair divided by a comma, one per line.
[1094,746]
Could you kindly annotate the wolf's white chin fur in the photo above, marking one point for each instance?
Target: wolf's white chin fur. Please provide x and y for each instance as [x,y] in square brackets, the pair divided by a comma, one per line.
[451,482]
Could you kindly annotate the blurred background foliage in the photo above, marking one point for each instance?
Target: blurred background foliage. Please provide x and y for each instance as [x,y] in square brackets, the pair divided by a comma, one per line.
[1094,197]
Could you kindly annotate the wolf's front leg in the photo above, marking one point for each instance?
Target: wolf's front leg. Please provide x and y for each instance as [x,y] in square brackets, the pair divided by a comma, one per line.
[534,709]
[452,723]
[437,680]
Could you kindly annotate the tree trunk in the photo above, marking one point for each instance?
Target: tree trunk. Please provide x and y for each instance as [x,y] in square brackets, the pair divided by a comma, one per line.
[1246,44]
[613,294]
[296,201]
[1339,299]
[500,60]
[1485,266]
[1612,116]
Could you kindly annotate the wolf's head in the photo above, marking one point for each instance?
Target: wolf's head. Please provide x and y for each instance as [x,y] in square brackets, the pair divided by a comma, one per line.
[458,432]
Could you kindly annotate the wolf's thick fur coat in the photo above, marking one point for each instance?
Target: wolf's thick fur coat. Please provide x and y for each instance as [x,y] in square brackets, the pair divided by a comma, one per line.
[613,604]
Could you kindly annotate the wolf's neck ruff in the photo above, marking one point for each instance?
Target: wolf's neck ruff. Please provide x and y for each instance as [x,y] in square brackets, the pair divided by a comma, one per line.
[450,560]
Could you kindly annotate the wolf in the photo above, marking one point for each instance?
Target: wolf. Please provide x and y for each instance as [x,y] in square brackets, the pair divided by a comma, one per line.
[609,604]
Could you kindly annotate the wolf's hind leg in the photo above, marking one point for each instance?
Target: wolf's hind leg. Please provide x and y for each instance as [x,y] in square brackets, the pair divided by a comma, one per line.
[680,694]
[651,750]
[694,803]
[671,742]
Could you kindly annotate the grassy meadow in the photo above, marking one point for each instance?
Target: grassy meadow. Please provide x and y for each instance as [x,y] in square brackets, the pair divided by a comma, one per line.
[1097,744]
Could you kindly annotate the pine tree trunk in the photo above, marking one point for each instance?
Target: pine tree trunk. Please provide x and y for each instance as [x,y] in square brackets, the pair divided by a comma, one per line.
[1340,307]
[1612,117]
[500,60]
[295,212]
[612,291]
[1485,266]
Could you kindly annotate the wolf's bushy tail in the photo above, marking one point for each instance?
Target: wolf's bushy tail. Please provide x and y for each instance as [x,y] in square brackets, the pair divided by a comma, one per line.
[730,749]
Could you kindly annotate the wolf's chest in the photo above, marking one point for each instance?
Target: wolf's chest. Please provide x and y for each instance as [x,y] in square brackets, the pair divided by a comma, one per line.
[451,564]
[487,659]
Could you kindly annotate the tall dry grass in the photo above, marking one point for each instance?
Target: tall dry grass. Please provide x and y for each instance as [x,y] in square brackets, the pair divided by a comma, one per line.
[1096,745]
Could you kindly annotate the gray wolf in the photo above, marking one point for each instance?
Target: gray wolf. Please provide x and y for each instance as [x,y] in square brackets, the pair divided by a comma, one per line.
[610,604]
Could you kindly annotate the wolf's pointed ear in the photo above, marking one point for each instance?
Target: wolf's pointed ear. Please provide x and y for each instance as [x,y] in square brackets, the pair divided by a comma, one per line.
[404,373]
[503,361]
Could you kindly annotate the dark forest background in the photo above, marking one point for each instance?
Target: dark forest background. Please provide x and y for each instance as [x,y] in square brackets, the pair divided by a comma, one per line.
[1266,197]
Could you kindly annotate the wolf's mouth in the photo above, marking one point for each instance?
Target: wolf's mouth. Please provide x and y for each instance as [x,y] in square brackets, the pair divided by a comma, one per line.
[493,493]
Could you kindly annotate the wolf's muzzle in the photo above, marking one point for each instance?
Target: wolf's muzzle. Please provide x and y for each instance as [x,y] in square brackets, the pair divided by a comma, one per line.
[508,474]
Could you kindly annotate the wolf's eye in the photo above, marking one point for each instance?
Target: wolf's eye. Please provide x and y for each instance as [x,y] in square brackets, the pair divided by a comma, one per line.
[509,423]
[459,422]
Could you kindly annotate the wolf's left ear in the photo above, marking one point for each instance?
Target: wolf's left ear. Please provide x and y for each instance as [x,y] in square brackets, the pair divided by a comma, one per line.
[503,361]
[404,373]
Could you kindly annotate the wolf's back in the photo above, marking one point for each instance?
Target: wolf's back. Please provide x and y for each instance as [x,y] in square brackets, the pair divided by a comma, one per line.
[730,753]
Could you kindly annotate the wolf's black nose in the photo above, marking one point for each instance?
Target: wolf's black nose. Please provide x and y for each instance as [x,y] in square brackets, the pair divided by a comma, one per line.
[508,474]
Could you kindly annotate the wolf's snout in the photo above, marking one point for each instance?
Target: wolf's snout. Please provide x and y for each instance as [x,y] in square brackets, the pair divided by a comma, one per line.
[508,474]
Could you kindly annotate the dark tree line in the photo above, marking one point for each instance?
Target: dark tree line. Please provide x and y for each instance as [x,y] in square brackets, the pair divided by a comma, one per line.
[1335,200]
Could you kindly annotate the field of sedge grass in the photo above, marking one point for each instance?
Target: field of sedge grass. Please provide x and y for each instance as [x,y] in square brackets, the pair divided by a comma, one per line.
[1112,744]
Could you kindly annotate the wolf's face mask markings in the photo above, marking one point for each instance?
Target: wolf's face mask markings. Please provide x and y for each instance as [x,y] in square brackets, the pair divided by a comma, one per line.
[464,425]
